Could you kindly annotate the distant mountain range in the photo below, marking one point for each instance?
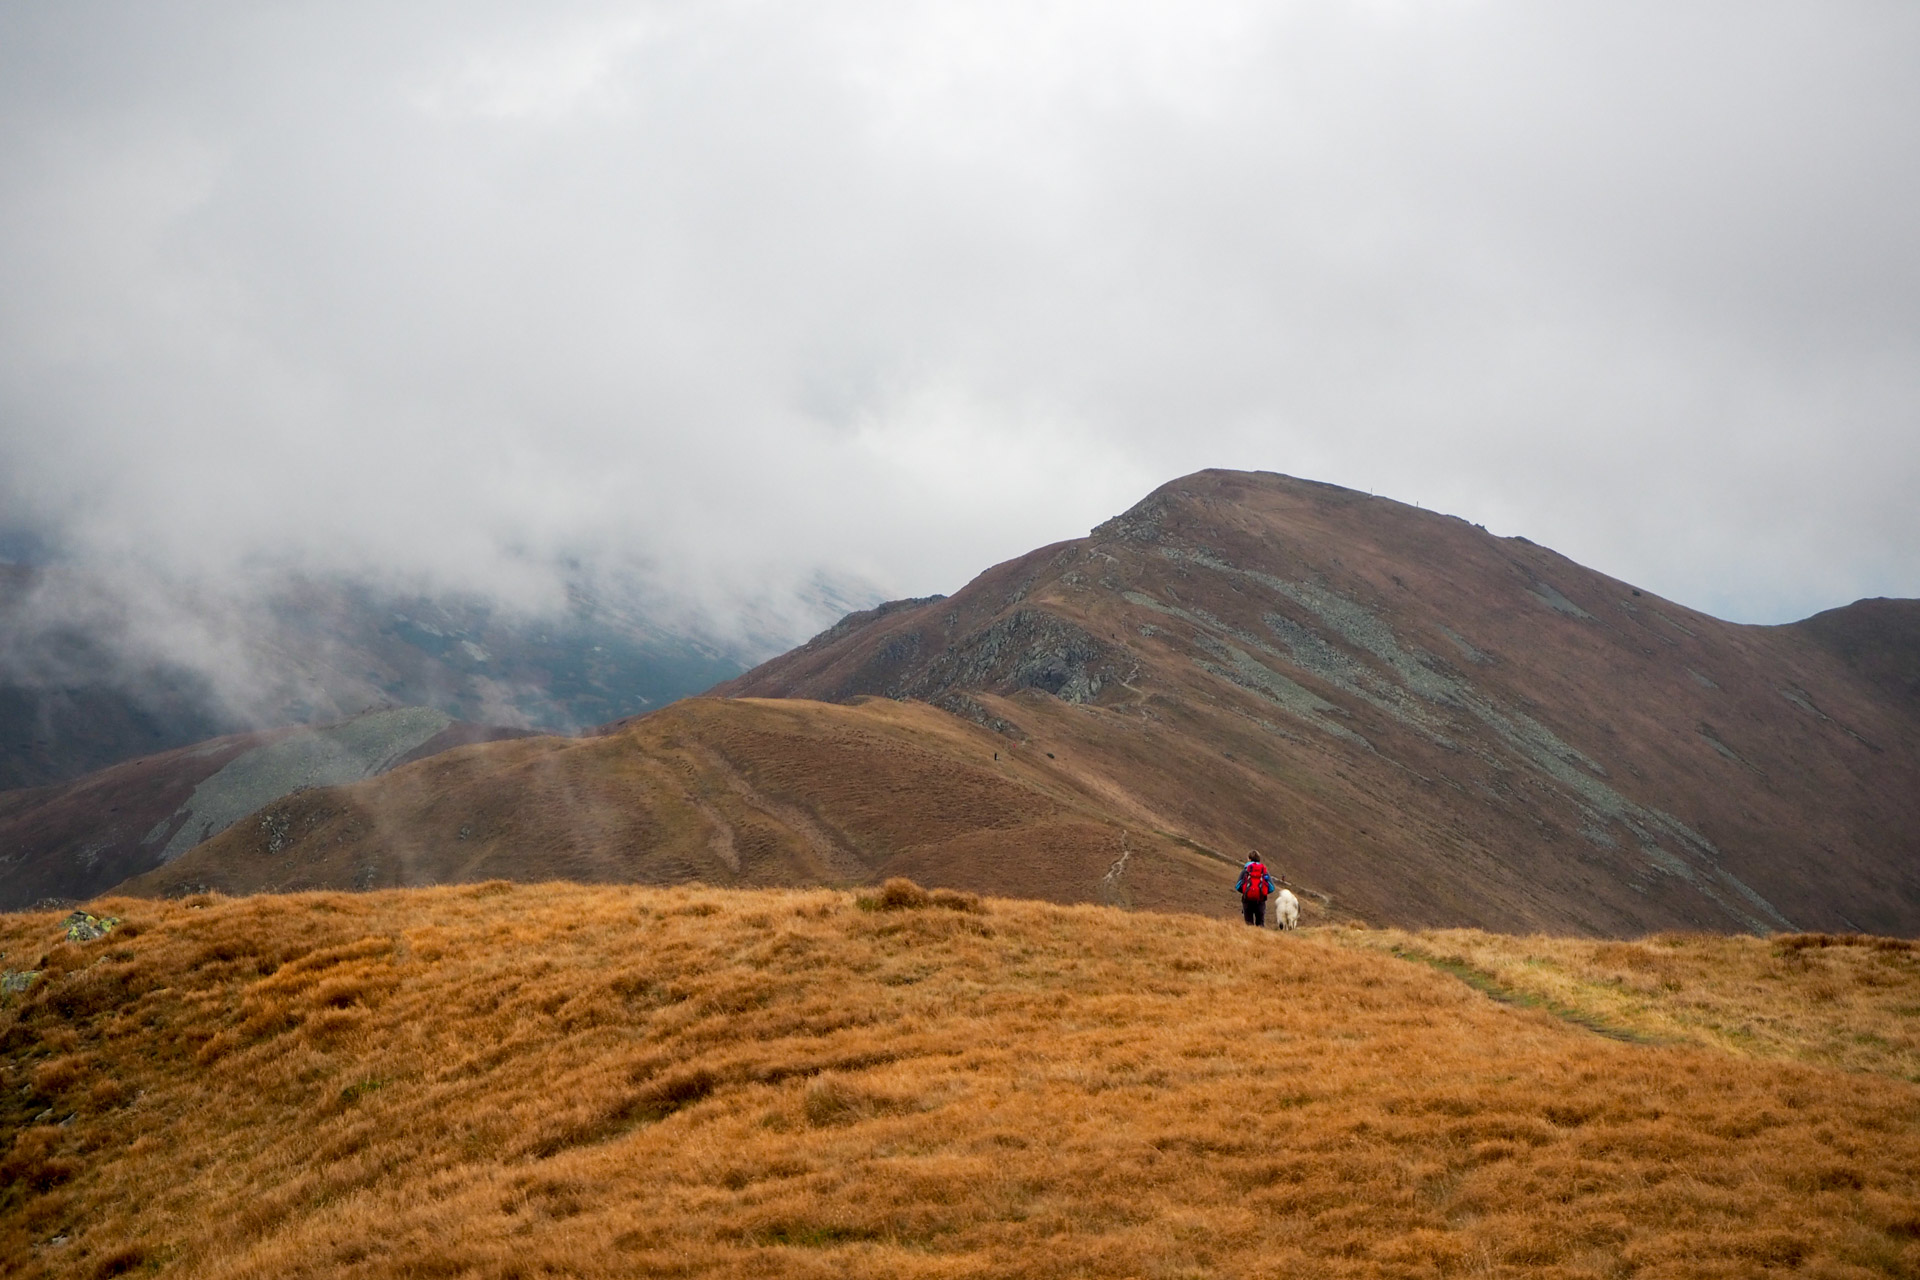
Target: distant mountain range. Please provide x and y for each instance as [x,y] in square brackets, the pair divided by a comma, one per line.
[1415,721]
[77,695]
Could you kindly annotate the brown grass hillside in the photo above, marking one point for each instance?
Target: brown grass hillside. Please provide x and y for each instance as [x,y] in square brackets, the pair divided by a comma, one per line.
[563,1080]
[740,792]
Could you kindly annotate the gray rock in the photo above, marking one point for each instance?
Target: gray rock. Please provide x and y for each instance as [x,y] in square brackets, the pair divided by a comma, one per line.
[345,752]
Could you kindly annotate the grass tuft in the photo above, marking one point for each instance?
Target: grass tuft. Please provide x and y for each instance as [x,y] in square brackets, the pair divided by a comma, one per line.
[901,894]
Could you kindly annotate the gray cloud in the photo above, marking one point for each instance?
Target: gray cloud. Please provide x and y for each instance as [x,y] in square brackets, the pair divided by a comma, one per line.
[735,292]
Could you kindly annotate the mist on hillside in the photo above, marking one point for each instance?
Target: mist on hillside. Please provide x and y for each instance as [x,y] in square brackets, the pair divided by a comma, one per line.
[272,648]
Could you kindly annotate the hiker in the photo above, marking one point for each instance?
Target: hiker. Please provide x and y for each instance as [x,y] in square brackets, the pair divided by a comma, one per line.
[1254,886]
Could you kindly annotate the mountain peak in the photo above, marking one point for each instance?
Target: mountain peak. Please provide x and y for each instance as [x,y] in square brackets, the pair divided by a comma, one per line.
[1391,696]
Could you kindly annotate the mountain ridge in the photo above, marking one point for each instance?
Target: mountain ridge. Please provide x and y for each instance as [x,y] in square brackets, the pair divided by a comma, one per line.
[1415,721]
[1355,647]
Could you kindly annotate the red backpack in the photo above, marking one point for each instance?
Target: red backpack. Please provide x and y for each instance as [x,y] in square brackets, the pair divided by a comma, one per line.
[1254,881]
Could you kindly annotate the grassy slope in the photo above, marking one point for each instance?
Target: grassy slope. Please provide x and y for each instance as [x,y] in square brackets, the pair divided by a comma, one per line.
[1846,1002]
[502,1081]
[740,792]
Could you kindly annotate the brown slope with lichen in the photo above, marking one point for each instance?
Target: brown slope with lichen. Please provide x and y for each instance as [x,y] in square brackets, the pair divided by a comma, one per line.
[1425,723]
[737,792]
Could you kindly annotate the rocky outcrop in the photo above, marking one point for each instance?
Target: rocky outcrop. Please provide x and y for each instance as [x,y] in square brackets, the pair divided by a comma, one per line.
[346,752]
[932,657]
[1026,649]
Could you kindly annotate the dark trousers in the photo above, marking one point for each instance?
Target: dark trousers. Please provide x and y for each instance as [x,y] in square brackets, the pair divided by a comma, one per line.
[1255,910]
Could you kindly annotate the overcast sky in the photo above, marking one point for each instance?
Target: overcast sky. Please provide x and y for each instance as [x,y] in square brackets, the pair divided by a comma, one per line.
[899,290]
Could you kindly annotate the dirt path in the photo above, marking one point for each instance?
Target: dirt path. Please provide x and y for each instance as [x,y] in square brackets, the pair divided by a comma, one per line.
[1111,891]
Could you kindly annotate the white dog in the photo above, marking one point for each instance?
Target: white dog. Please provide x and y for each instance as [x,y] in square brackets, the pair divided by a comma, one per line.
[1286,909]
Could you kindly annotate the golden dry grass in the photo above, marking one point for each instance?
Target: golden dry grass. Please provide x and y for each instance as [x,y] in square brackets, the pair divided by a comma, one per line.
[556,1080]
[1845,1001]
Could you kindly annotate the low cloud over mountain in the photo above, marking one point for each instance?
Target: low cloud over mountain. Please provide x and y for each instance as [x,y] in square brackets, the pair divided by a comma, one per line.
[96,668]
